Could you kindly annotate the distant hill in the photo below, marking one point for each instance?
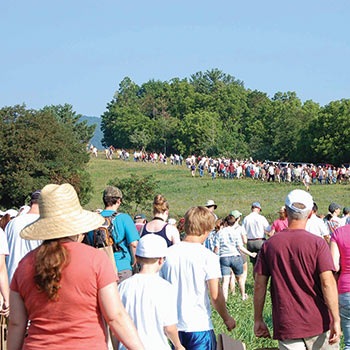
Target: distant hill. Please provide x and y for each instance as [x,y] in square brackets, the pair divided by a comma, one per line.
[98,135]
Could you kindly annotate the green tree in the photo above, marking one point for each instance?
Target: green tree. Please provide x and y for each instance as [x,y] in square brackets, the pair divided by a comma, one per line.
[65,115]
[138,192]
[37,149]
[140,139]
[328,133]
[198,132]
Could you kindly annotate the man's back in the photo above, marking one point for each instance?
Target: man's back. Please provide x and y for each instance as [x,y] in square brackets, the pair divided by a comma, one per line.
[255,225]
[316,226]
[188,267]
[18,247]
[294,259]
[151,303]
[126,232]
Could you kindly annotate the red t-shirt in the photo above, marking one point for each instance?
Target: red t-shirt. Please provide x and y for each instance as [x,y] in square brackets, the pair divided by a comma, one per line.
[294,259]
[75,320]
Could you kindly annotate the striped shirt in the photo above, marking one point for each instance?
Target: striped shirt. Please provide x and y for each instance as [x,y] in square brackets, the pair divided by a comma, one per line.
[229,240]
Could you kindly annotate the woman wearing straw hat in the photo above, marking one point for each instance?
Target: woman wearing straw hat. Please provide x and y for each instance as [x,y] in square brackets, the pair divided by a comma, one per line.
[63,286]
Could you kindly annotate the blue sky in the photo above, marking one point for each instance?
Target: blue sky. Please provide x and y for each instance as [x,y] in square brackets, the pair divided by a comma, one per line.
[77,52]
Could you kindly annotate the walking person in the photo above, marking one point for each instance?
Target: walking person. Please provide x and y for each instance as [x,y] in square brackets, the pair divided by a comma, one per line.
[158,225]
[124,232]
[332,219]
[280,224]
[63,287]
[194,271]
[229,245]
[304,294]
[340,250]
[256,227]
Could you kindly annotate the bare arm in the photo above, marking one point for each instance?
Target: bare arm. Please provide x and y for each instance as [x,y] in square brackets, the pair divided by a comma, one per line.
[335,255]
[172,333]
[260,287]
[330,294]
[247,252]
[173,234]
[133,246]
[218,301]
[271,233]
[4,287]
[18,322]
[117,318]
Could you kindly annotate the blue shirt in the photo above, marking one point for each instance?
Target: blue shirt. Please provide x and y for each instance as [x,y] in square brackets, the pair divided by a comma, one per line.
[125,232]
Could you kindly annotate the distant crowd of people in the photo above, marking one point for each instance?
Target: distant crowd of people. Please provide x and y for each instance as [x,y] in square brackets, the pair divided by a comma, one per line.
[233,168]
[98,280]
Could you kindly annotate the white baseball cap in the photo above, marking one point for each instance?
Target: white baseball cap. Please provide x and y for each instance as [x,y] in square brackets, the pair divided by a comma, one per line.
[302,197]
[151,246]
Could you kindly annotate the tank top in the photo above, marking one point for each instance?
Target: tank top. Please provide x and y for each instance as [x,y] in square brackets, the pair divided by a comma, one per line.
[161,233]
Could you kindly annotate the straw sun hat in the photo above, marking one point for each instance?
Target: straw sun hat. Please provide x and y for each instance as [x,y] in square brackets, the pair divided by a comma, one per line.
[61,215]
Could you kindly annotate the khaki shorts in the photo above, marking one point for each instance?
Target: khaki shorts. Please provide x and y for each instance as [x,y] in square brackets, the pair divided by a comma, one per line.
[319,342]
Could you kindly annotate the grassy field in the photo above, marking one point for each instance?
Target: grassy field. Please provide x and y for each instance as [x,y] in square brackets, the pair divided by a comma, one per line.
[182,191]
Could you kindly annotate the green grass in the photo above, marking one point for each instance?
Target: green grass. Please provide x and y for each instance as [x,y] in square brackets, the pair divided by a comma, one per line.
[182,192]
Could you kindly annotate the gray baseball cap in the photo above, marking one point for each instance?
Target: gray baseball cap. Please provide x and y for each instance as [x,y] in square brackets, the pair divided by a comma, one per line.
[112,191]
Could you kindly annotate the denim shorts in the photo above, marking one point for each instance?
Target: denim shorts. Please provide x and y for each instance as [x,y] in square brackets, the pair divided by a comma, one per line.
[234,263]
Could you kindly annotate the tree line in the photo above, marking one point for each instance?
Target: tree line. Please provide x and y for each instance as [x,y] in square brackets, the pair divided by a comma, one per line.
[43,146]
[212,113]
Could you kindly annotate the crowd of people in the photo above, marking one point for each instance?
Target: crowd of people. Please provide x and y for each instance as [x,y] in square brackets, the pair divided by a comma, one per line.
[98,280]
[233,168]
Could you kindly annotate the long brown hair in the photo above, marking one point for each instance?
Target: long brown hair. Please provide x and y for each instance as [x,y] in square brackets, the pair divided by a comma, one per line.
[4,221]
[50,260]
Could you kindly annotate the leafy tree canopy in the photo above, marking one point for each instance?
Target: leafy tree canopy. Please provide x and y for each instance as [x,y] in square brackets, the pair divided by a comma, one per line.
[138,192]
[36,148]
[213,113]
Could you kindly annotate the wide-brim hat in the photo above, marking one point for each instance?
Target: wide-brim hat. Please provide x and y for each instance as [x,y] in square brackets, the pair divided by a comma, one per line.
[61,215]
[211,203]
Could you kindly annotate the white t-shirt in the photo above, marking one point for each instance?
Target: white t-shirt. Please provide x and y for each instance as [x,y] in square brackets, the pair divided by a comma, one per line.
[255,225]
[316,226]
[4,249]
[188,267]
[344,220]
[18,247]
[151,303]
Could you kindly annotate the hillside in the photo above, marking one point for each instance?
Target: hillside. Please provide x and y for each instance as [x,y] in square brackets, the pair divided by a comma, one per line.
[98,135]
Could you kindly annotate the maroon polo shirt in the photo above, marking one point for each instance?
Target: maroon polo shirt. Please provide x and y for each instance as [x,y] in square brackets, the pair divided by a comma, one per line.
[294,259]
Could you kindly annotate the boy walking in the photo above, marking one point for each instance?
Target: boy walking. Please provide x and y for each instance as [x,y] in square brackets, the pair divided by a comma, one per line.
[150,300]
[194,271]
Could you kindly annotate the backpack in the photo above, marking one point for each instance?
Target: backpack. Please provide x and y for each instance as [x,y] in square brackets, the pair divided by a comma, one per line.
[103,235]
